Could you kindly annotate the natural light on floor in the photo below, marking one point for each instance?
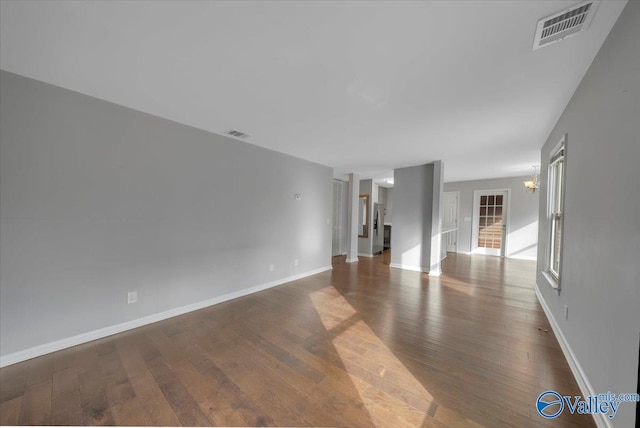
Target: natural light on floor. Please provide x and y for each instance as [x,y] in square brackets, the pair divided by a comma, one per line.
[372,368]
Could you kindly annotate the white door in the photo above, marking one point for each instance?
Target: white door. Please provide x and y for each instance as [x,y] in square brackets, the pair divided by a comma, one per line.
[490,215]
[450,220]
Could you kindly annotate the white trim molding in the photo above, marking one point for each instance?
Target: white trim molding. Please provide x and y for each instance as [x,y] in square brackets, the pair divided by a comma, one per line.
[353,260]
[37,351]
[435,272]
[408,267]
[578,372]
[365,255]
[532,258]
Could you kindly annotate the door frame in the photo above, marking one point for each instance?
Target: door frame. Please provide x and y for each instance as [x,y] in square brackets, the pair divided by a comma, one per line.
[457,231]
[339,209]
[475,221]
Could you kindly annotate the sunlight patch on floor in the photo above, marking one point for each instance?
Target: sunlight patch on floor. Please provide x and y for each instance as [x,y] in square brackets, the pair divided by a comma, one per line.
[390,392]
[332,308]
[456,285]
[374,370]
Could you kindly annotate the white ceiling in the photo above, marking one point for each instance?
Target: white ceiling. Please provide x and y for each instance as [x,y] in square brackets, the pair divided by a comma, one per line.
[358,86]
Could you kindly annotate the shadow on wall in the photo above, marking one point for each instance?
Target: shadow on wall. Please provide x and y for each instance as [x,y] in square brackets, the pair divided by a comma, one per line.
[524,250]
[412,257]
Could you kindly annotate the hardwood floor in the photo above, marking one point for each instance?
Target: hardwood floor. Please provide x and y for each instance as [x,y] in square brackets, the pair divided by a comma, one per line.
[362,345]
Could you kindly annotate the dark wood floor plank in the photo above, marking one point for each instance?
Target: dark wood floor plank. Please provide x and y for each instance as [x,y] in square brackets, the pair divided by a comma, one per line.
[93,398]
[361,345]
[133,363]
[198,387]
[155,403]
[131,413]
[64,359]
[163,344]
[13,381]
[223,410]
[278,353]
[65,381]
[10,412]
[40,369]
[66,408]
[285,405]
[184,406]
[86,358]
[295,377]
[65,402]
[36,404]
[229,405]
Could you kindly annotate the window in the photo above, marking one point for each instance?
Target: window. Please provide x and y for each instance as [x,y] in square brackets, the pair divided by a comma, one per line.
[556,208]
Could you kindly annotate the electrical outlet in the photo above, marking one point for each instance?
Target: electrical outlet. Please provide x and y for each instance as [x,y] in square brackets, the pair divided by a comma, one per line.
[272,268]
[566,312]
[295,262]
[132,297]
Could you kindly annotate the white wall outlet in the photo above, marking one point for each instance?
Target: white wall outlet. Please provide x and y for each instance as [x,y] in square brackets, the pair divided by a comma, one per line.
[566,312]
[295,262]
[272,268]
[132,297]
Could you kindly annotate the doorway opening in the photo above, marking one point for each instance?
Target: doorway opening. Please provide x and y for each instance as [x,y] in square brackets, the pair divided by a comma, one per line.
[339,232]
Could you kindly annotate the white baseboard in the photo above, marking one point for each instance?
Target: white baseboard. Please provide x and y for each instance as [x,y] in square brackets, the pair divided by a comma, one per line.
[533,258]
[468,253]
[435,272]
[37,351]
[364,255]
[353,260]
[578,372]
[408,267]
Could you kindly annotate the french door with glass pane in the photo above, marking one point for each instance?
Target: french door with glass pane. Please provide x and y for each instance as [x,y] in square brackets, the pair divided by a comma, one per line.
[489,222]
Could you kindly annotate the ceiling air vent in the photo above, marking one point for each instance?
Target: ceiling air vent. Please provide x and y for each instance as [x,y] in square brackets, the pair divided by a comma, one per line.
[237,134]
[564,24]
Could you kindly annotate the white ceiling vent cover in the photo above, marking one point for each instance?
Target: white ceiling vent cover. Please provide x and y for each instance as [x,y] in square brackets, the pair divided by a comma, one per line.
[564,24]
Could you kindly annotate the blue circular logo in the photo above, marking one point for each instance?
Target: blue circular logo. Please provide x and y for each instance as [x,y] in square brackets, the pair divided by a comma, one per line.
[549,404]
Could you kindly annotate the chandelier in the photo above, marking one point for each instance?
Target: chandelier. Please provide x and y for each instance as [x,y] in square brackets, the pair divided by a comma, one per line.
[534,183]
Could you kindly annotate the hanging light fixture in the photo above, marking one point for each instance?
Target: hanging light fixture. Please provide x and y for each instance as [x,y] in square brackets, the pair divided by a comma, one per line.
[534,183]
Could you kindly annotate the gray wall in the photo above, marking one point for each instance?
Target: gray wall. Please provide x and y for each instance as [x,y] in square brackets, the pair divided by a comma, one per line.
[523,217]
[98,200]
[601,271]
[412,200]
